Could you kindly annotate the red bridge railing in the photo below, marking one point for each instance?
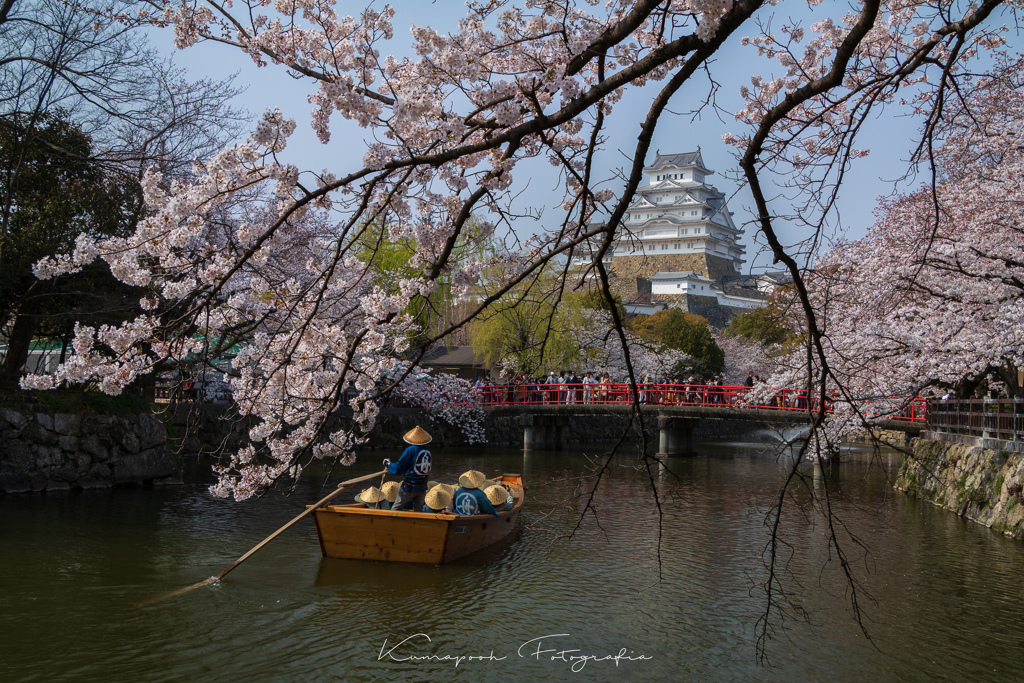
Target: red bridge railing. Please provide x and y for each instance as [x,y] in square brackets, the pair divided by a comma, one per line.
[664,394]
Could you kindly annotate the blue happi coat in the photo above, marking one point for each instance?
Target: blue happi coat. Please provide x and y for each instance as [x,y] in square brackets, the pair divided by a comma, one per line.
[472,502]
[415,465]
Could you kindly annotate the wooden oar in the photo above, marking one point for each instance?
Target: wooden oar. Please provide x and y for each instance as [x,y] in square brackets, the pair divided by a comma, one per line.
[343,486]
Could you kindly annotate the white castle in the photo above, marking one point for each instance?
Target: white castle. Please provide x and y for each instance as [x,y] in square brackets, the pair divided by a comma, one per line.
[678,246]
[677,222]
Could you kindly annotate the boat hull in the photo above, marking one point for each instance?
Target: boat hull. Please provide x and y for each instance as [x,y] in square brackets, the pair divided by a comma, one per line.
[360,533]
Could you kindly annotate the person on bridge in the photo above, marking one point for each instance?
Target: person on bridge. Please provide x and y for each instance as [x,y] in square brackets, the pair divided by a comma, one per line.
[414,464]
[588,388]
[552,390]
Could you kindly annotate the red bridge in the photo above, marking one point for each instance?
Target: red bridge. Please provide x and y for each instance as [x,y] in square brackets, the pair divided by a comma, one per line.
[666,395]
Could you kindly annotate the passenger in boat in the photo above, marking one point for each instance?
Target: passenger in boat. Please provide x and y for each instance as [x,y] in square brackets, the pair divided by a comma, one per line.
[438,499]
[469,499]
[447,487]
[414,466]
[374,498]
[390,490]
[499,497]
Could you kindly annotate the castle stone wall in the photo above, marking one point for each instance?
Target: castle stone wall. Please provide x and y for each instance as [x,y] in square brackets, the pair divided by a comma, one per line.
[646,265]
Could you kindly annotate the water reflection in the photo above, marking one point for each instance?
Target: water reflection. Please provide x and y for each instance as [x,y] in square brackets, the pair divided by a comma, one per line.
[942,596]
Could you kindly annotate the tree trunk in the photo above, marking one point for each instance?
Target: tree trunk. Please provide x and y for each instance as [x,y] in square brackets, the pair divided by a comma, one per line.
[26,321]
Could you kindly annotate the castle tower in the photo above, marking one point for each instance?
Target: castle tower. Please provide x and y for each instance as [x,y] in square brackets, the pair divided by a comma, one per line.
[677,223]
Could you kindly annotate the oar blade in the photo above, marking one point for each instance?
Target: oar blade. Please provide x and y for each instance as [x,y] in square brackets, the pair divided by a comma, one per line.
[180,591]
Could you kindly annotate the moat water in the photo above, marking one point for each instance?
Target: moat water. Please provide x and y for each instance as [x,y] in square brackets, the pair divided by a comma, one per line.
[674,597]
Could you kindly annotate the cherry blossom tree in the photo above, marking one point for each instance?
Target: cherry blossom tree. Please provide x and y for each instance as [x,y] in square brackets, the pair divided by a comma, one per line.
[933,294]
[453,130]
[743,356]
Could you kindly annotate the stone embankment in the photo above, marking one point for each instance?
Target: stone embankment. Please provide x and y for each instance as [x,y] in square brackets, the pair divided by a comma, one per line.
[886,437]
[44,451]
[981,484]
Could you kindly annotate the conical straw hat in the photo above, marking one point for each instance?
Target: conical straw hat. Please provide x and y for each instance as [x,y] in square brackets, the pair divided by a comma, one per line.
[371,495]
[449,488]
[496,494]
[438,498]
[417,436]
[471,479]
[390,490]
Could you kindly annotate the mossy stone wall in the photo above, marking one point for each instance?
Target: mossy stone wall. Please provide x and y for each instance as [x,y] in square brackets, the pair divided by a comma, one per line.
[980,484]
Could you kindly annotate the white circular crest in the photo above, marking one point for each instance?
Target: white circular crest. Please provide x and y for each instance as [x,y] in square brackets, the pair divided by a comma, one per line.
[421,465]
[465,504]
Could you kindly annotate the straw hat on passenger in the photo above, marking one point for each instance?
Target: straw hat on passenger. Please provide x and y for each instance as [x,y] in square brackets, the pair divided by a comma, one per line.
[417,436]
[371,495]
[487,483]
[438,498]
[471,479]
[496,494]
[447,487]
[390,490]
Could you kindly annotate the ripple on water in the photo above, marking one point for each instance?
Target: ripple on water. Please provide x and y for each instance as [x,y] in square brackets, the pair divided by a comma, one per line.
[683,587]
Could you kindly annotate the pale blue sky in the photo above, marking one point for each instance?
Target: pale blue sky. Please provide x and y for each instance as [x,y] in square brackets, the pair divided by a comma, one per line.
[889,137]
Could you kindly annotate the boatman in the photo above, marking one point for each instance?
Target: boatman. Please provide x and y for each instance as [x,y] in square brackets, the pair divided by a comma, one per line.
[415,466]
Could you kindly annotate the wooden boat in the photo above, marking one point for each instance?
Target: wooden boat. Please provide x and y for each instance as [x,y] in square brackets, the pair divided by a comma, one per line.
[354,531]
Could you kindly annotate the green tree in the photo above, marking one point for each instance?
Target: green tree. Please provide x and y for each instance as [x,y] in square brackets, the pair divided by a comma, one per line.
[390,259]
[51,191]
[535,326]
[768,326]
[686,332]
[515,329]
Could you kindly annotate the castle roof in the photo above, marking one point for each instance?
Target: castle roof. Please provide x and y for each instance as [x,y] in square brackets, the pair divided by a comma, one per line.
[681,160]
[684,275]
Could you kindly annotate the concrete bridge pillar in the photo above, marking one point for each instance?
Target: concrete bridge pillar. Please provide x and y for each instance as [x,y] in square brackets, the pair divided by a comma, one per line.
[675,435]
[543,432]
